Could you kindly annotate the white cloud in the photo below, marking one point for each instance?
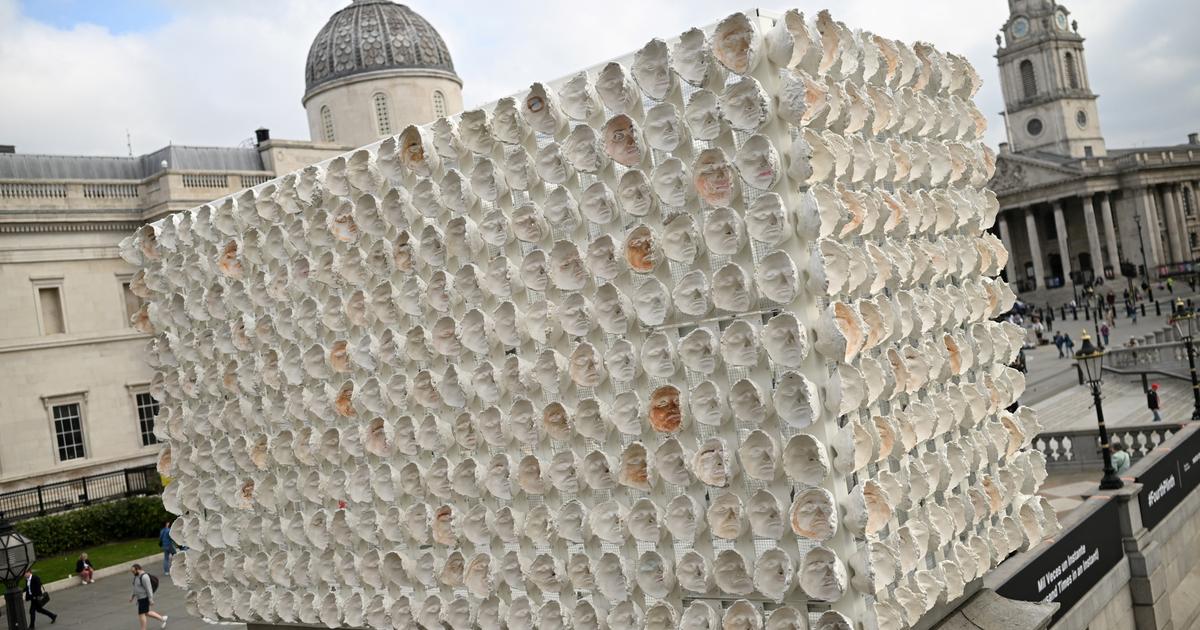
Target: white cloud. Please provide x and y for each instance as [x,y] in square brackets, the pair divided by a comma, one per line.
[219,69]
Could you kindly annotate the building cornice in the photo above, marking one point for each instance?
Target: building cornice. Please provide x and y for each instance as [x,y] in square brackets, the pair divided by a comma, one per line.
[70,226]
[416,73]
[67,341]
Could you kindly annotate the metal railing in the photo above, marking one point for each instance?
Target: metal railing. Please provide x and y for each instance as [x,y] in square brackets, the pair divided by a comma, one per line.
[66,495]
[1080,450]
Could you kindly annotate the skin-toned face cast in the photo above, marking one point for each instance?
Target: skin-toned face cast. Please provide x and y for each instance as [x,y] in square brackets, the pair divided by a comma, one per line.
[714,177]
[622,141]
[641,249]
[666,415]
[737,43]
[664,127]
[539,109]
[413,151]
[757,162]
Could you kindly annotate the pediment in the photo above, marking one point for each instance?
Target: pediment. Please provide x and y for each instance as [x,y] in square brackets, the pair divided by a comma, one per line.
[1015,173]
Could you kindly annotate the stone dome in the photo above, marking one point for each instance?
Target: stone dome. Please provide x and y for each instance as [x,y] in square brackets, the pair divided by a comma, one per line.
[370,36]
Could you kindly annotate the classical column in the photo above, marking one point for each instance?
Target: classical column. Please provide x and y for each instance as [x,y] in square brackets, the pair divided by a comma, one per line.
[1176,191]
[1010,266]
[1110,233]
[1174,226]
[1064,252]
[1150,225]
[1089,219]
[1035,248]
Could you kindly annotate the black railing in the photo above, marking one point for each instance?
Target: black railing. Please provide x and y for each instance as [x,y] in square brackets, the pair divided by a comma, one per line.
[66,495]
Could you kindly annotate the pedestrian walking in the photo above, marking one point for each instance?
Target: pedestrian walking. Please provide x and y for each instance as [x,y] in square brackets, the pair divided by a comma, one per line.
[37,598]
[1120,457]
[168,546]
[1104,333]
[1058,343]
[85,570]
[1069,344]
[143,592]
[1152,402]
[1171,286]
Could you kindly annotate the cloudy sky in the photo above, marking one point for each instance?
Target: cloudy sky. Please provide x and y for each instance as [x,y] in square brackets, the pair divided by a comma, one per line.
[76,74]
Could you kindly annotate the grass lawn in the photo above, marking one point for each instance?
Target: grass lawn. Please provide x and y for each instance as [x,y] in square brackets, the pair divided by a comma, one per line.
[58,567]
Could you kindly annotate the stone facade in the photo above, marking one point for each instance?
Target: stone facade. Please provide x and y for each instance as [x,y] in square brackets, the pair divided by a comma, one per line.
[1073,210]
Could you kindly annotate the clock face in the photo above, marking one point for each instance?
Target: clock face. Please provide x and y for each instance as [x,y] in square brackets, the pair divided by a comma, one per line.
[1020,27]
[1060,19]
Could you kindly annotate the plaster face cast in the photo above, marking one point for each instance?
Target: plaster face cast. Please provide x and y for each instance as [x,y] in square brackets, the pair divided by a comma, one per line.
[617,91]
[670,461]
[652,69]
[786,340]
[598,204]
[681,238]
[814,515]
[732,289]
[612,309]
[666,415]
[745,105]
[692,57]
[635,194]
[726,516]
[672,183]
[714,178]
[757,162]
[795,400]
[758,455]
[708,404]
[822,575]
[621,362]
[587,367]
[567,267]
[415,150]
[529,225]
[487,181]
[519,169]
[575,315]
[582,149]
[642,249]
[777,278]
[698,351]
[691,294]
[541,111]
[703,116]
[737,43]
[602,261]
[658,356]
[739,344]
[507,124]
[579,99]
[622,140]
[724,232]
[552,166]
[652,303]
[664,127]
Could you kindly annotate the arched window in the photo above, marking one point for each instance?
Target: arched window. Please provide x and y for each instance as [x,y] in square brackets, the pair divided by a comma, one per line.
[383,119]
[439,104]
[1028,80]
[326,124]
[1072,72]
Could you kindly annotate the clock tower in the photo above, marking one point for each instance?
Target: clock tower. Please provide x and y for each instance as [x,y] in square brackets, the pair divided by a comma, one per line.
[1048,101]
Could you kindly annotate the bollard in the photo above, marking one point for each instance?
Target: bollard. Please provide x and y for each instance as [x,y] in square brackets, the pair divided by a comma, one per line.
[1074,314]
[1143,305]
[1157,309]
[1062,312]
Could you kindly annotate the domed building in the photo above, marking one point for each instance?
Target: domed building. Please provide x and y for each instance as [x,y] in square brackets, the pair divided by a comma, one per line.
[374,68]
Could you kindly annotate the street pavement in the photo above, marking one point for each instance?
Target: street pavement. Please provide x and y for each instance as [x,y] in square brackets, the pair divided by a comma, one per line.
[105,605]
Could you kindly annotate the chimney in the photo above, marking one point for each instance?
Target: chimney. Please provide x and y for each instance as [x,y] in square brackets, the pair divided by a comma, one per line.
[12,148]
[1193,138]
[262,134]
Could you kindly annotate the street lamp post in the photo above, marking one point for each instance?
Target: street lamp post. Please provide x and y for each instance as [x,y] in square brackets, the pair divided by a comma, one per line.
[1137,218]
[1184,321]
[1092,360]
[16,555]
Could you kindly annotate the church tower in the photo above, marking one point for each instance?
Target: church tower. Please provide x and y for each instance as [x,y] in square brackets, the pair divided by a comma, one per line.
[1048,100]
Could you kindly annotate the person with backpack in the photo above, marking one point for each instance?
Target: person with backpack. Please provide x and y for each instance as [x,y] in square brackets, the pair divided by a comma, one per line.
[1152,402]
[38,598]
[144,586]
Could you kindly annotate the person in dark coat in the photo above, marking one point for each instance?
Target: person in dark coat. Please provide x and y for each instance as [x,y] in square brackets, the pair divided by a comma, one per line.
[37,598]
[1152,402]
[85,570]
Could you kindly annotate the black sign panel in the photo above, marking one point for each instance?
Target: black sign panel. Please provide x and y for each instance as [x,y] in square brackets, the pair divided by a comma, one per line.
[1170,480]
[1075,563]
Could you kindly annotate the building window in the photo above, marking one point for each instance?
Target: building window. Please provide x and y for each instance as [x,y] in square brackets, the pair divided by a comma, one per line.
[52,317]
[326,124]
[382,119]
[1192,240]
[68,430]
[1049,226]
[1087,151]
[147,409]
[1034,127]
[132,303]
[1081,119]
[1028,79]
[1072,72]
[439,104]
[1189,204]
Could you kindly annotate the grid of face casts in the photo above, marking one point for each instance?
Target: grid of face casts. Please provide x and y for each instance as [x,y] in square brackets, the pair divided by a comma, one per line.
[710,324]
